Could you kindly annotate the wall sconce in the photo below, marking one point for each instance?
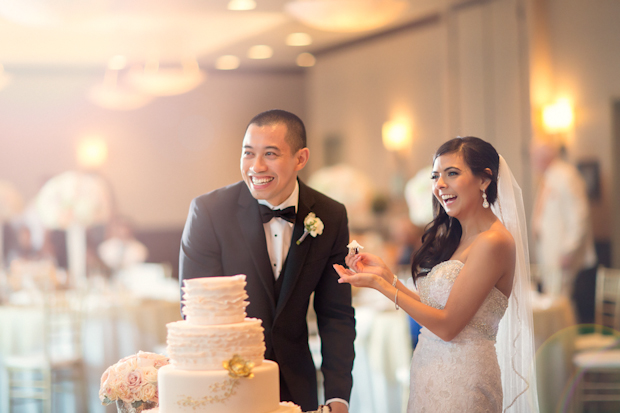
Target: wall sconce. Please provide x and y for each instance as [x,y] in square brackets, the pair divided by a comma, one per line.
[92,152]
[396,136]
[558,117]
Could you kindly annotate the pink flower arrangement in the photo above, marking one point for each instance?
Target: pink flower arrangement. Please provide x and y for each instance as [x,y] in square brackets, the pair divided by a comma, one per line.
[132,380]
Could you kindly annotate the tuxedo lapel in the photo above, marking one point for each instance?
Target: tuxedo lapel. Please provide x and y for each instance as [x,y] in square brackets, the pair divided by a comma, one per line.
[253,232]
[297,253]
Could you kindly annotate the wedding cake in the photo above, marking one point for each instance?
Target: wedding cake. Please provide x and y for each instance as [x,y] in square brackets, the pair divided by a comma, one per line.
[217,355]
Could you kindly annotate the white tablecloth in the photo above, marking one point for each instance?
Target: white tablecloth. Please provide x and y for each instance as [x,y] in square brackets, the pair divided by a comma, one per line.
[382,356]
[114,326]
[554,336]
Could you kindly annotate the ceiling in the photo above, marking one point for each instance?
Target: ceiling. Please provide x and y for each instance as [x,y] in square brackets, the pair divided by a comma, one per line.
[36,33]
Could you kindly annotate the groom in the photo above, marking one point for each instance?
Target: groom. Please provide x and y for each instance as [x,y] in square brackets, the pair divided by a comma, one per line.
[256,227]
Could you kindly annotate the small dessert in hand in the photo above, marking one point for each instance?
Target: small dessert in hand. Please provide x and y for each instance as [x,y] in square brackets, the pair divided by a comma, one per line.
[354,247]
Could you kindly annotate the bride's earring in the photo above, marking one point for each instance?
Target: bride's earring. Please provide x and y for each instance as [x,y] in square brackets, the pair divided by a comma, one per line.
[485,203]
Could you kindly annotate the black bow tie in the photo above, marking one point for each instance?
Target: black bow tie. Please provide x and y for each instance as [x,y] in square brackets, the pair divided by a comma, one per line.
[287,214]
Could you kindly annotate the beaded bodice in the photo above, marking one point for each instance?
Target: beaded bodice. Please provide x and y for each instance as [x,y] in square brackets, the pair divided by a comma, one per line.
[435,289]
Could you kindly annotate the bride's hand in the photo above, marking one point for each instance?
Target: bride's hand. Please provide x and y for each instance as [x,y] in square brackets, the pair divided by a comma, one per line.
[368,263]
[368,280]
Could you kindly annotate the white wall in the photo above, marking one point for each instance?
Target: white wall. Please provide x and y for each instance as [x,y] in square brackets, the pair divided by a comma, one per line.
[585,60]
[462,73]
[353,92]
[160,156]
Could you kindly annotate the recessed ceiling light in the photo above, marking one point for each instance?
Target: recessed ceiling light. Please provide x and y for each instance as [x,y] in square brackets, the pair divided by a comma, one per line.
[260,51]
[241,5]
[227,62]
[306,60]
[298,39]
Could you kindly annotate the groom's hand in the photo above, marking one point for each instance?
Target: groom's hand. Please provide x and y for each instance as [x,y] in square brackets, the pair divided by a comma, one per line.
[337,407]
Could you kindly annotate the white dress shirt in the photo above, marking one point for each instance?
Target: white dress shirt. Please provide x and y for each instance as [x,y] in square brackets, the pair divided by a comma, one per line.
[278,233]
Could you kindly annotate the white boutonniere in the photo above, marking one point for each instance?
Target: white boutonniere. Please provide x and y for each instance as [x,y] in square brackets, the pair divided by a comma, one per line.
[312,225]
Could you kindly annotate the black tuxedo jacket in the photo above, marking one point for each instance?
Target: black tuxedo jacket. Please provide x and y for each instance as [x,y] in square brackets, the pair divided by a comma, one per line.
[224,235]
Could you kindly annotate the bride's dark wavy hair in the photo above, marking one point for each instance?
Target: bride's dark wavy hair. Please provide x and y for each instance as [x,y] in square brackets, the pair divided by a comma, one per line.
[442,236]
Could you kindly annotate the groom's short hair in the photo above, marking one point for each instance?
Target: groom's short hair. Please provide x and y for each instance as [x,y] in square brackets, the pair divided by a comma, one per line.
[295,129]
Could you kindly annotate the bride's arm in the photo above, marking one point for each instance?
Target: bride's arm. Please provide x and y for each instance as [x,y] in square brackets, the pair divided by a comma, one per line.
[490,258]
[369,263]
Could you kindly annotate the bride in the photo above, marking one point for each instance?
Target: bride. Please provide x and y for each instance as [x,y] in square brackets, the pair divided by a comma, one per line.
[472,277]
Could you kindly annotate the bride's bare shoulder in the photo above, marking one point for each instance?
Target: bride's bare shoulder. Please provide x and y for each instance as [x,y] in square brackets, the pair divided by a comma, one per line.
[496,242]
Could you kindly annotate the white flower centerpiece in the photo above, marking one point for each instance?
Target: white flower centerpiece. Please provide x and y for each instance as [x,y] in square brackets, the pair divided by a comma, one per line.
[73,201]
[419,197]
[132,382]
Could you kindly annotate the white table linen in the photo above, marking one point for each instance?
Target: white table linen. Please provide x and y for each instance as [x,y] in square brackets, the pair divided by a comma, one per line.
[115,325]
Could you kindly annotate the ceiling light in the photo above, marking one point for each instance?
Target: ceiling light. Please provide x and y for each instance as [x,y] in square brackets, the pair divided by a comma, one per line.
[346,15]
[46,13]
[166,81]
[306,60]
[116,98]
[298,39]
[241,5]
[227,62]
[260,51]
[109,95]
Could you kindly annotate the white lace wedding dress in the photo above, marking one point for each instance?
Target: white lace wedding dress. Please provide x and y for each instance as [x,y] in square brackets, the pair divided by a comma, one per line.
[462,375]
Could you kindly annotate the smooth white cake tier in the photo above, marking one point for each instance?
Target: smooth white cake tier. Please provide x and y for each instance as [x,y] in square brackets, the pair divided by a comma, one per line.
[216,392]
[215,300]
[198,347]
[285,407]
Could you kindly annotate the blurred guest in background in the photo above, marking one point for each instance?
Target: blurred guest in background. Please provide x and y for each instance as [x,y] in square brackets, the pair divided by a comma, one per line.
[406,237]
[29,238]
[121,249]
[562,229]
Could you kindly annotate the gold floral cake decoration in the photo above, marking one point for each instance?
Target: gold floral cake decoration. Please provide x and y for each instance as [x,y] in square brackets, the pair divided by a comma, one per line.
[222,391]
[238,367]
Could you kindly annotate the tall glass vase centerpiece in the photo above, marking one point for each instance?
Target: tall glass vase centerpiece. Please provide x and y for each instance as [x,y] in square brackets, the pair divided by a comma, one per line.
[73,201]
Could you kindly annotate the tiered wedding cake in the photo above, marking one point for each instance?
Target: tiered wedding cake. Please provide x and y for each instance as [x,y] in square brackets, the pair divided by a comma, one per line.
[216,355]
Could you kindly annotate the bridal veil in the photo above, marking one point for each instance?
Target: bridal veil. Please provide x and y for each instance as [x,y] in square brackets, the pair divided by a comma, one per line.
[515,339]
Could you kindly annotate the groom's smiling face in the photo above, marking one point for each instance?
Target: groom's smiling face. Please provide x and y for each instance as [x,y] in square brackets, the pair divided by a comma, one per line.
[268,166]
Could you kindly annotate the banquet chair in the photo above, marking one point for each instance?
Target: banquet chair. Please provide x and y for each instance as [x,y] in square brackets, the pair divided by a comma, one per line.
[607,313]
[598,369]
[56,365]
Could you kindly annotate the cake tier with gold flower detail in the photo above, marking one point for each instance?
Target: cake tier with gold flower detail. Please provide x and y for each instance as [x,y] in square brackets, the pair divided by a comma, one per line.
[217,355]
